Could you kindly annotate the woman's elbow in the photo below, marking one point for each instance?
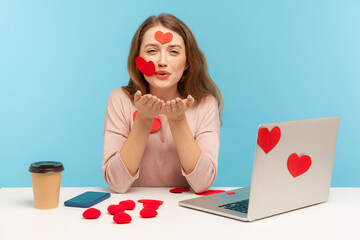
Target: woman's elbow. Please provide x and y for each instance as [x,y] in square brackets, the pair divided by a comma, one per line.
[115,185]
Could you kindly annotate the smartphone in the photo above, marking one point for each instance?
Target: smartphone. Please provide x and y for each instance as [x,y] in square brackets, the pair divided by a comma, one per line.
[87,199]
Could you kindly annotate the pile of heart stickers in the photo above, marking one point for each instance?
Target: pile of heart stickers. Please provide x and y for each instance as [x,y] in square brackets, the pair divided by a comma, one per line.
[118,210]
[267,140]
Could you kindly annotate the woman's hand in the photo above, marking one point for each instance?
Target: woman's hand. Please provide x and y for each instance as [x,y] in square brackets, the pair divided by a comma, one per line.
[148,106]
[176,108]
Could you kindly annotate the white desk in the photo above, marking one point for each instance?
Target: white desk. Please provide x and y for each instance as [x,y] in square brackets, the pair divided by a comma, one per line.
[336,219]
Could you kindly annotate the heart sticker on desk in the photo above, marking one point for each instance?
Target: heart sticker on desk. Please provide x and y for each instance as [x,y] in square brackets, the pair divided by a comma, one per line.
[267,140]
[179,189]
[210,192]
[147,68]
[298,165]
[156,124]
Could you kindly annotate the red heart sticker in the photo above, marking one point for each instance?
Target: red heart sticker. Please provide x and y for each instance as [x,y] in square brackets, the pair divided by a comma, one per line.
[147,68]
[152,204]
[128,204]
[150,200]
[114,209]
[163,38]
[268,140]
[91,213]
[179,190]
[210,192]
[122,218]
[148,213]
[156,124]
[298,165]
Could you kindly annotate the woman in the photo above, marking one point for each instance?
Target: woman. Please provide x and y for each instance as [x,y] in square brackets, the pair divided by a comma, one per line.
[162,129]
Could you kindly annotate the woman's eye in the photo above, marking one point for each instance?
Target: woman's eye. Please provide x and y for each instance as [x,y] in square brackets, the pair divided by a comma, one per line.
[174,51]
[151,50]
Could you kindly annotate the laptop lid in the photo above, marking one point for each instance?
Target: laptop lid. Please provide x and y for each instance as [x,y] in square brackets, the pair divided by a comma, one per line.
[292,165]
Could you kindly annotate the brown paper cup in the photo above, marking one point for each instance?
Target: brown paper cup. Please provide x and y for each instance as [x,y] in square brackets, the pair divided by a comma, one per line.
[46,179]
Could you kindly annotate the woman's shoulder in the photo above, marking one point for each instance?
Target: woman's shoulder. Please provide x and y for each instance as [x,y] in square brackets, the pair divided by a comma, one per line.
[119,95]
[118,98]
[203,107]
[209,101]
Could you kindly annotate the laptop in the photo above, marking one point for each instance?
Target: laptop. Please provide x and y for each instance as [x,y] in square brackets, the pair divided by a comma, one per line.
[292,169]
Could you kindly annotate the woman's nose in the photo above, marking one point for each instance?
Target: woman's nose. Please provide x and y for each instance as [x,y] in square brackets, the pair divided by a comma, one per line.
[162,61]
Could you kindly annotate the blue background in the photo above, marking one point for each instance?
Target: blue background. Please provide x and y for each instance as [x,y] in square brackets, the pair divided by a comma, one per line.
[273,61]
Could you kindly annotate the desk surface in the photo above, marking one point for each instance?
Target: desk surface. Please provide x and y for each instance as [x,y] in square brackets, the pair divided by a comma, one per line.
[335,219]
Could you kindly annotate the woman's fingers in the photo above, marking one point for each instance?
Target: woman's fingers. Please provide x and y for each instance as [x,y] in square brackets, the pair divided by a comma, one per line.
[145,99]
[189,101]
[180,104]
[173,105]
[154,105]
[137,95]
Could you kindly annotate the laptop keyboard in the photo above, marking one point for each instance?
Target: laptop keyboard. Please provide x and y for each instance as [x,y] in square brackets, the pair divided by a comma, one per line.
[239,206]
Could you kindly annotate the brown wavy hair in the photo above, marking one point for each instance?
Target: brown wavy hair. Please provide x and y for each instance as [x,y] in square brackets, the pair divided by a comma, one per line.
[195,80]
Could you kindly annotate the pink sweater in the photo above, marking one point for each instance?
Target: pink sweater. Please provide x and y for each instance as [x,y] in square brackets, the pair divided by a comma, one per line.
[160,165]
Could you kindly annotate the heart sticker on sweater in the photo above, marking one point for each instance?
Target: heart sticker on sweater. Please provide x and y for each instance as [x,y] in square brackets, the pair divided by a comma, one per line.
[298,165]
[267,140]
[156,124]
[147,68]
[163,38]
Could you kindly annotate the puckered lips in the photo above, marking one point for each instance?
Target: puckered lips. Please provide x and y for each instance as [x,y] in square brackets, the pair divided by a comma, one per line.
[162,74]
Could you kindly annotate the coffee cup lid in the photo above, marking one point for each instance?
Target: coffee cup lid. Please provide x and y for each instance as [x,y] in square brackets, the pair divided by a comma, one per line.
[46,167]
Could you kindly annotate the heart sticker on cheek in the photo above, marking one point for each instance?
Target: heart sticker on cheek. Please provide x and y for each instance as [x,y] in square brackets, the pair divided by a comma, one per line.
[268,140]
[147,68]
[298,165]
[156,124]
[163,38]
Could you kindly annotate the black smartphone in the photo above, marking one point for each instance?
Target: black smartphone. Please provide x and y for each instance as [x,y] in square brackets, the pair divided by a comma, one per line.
[87,199]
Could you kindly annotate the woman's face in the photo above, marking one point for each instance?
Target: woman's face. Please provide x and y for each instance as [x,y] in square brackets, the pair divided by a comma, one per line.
[169,58]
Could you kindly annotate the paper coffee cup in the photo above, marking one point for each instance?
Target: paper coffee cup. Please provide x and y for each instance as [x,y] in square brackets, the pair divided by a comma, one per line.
[46,178]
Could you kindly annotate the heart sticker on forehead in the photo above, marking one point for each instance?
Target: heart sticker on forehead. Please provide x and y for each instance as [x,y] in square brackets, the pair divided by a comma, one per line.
[163,38]
[147,68]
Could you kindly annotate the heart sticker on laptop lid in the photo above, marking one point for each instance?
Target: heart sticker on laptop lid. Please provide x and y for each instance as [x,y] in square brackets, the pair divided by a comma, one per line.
[298,165]
[267,140]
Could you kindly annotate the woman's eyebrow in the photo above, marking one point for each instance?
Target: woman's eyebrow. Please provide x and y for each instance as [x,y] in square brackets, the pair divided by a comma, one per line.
[157,45]
[176,45]
[151,45]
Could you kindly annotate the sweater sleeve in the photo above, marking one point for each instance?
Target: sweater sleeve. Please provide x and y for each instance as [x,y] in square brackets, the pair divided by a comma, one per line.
[116,131]
[208,139]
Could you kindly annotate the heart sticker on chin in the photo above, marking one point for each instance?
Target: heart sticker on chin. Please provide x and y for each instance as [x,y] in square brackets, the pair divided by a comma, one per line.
[298,165]
[147,68]
[268,140]
[163,38]
[156,124]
